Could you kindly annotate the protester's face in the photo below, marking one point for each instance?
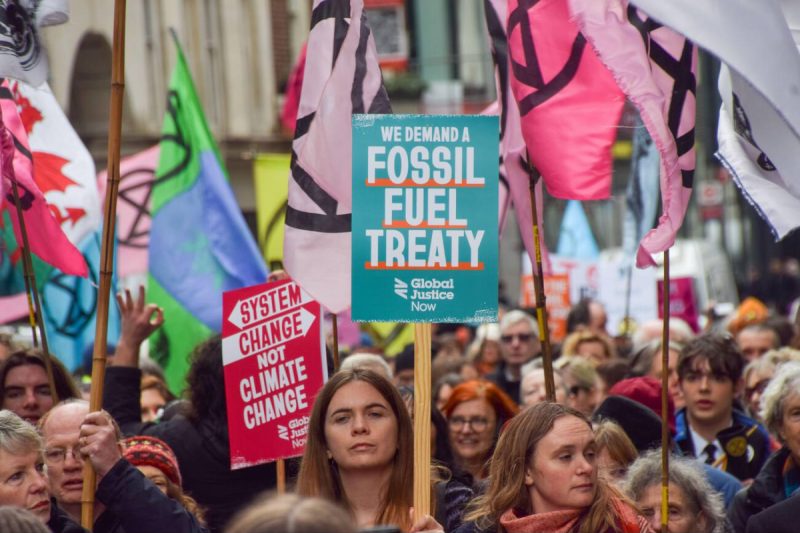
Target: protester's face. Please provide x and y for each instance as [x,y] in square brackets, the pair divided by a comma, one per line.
[609,468]
[444,394]
[534,391]
[583,399]
[27,392]
[404,378]
[594,351]
[360,428]
[754,388]
[520,343]
[672,375]
[22,483]
[709,397]
[62,452]
[491,353]
[754,344]
[681,518]
[472,427]
[152,402]
[597,319]
[562,474]
[155,475]
[790,425]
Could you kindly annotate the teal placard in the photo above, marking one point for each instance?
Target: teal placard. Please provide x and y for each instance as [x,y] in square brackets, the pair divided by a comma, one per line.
[425,218]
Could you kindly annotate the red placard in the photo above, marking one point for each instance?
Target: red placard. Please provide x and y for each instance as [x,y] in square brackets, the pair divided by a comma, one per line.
[273,351]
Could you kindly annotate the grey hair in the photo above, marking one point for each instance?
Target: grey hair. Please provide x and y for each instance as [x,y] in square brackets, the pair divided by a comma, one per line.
[368,360]
[687,474]
[17,436]
[516,316]
[784,384]
[643,356]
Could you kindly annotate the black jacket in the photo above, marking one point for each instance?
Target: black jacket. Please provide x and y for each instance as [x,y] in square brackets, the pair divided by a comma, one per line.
[499,378]
[134,504]
[202,449]
[782,517]
[766,491]
[61,522]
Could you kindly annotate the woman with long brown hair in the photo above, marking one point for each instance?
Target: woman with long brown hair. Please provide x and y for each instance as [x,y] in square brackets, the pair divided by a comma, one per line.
[360,451]
[543,477]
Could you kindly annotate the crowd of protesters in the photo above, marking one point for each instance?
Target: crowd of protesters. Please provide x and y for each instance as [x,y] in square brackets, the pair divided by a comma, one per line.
[503,458]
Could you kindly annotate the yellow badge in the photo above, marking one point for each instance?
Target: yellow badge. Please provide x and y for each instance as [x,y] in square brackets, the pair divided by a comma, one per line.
[736,446]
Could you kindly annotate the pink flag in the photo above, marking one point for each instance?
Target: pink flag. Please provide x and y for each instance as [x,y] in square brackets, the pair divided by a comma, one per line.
[342,77]
[656,68]
[133,210]
[45,236]
[569,103]
[514,172]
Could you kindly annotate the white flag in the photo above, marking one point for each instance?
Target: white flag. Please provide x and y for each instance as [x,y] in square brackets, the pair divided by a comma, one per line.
[759,131]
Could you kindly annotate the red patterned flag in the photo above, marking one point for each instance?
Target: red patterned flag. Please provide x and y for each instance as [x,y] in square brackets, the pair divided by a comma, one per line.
[569,103]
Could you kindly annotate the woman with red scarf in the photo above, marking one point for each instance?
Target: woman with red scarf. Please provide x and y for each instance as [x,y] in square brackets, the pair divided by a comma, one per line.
[543,477]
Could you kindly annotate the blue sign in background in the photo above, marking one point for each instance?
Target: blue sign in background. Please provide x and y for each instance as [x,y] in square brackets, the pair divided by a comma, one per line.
[425,200]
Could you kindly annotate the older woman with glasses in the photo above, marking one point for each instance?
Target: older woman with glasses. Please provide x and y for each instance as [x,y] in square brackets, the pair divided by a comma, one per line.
[475,411]
[759,372]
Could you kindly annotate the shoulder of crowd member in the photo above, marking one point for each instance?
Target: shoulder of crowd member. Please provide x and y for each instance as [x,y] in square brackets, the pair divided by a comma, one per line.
[61,522]
[726,484]
[783,517]
[765,491]
[141,506]
[452,497]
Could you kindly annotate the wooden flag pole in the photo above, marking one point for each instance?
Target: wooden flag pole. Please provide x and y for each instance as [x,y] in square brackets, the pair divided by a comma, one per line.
[665,403]
[30,287]
[26,273]
[422,420]
[281,476]
[335,342]
[541,299]
[107,266]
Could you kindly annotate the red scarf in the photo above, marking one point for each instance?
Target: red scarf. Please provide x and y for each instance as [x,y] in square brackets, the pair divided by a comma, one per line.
[567,521]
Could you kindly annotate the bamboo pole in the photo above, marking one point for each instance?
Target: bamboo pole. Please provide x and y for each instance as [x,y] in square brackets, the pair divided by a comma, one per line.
[422,420]
[665,402]
[281,476]
[541,298]
[335,342]
[107,266]
[30,287]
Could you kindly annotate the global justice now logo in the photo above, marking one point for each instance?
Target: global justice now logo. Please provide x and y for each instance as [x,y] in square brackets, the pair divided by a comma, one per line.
[424,292]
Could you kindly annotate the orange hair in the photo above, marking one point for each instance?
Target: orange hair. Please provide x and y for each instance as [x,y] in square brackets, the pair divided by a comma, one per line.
[480,389]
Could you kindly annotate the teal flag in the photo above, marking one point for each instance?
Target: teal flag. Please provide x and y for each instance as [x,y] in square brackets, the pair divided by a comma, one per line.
[200,245]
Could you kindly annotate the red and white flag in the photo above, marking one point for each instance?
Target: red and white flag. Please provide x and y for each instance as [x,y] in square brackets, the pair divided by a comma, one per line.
[341,77]
[656,68]
[514,174]
[569,103]
[46,237]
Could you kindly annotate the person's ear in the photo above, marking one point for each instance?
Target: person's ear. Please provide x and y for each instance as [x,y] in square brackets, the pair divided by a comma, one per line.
[702,521]
[330,455]
[528,477]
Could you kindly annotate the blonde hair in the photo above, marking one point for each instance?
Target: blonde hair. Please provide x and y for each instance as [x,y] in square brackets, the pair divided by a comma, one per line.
[574,340]
[17,436]
[580,369]
[610,436]
[291,513]
[515,450]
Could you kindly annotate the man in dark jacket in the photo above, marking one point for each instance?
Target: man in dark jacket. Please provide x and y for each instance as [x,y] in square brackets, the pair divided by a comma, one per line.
[767,490]
[519,344]
[126,501]
[199,437]
[783,517]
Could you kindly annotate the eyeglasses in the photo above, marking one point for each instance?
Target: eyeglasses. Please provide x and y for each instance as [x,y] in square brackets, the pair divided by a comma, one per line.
[523,338]
[477,424]
[575,389]
[56,456]
[759,387]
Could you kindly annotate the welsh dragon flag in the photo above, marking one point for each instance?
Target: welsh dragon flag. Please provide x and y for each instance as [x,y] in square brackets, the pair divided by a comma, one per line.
[200,245]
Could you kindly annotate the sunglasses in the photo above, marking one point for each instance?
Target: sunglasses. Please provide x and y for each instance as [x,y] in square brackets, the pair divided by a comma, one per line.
[523,337]
[760,387]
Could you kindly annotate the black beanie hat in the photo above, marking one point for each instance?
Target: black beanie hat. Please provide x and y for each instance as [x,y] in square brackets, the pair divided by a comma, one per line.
[640,423]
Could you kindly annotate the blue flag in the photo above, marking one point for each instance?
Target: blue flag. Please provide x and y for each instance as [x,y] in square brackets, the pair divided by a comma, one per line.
[576,240]
[69,306]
